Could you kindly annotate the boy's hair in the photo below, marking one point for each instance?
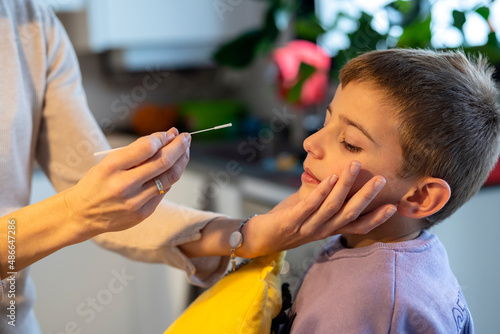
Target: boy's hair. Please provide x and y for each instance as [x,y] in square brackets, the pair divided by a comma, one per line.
[449,112]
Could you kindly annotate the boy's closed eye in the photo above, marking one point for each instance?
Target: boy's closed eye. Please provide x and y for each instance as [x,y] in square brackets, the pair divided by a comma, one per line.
[351,148]
[348,146]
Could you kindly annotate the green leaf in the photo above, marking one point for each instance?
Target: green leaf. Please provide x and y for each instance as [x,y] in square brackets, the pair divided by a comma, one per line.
[410,10]
[492,40]
[364,38]
[308,28]
[305,71]
[269,22]
[240,52]
[269,31]
[484,12]
[492,52]
[402,6]
[458,19]
[417,35]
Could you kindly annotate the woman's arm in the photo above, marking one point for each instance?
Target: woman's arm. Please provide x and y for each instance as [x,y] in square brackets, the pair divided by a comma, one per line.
[36,231]
[295,222]
[114,195]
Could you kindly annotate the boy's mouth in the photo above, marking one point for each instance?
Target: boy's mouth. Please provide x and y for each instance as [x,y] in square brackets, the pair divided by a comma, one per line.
[308,177]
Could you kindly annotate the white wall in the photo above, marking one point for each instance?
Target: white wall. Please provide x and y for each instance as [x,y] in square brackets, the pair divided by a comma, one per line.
[471,239]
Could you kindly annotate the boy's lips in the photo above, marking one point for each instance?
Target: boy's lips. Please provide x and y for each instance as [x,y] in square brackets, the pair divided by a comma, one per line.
[308,177]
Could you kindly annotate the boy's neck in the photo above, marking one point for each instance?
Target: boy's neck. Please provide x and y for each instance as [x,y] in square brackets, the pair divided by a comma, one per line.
[396,229]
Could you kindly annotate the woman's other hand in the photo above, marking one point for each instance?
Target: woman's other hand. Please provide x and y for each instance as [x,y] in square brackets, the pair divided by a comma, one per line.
[326,211]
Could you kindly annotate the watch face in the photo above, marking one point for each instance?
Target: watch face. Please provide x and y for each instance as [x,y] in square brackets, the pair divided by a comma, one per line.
[236,239]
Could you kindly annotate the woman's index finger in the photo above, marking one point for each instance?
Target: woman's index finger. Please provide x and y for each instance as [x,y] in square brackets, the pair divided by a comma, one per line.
[140,150]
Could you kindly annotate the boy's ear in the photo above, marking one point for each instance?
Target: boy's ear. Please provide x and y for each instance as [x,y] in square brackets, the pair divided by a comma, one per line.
[430,195]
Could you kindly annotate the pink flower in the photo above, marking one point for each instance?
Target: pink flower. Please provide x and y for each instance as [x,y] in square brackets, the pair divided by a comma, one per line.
[290,57]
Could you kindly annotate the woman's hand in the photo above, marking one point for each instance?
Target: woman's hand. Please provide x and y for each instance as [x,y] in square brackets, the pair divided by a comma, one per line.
[120,191]
[324,212]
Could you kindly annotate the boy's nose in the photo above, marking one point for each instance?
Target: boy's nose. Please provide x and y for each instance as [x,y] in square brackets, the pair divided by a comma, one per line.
[312,145]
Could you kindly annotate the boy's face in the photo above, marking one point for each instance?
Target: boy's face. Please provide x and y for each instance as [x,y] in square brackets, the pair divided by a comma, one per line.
[360,125]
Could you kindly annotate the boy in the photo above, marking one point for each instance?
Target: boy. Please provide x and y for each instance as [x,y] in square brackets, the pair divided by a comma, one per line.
[429,122]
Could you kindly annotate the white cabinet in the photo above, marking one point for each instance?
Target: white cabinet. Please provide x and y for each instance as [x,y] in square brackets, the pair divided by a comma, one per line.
[65,5]
[131,23]
[159,32]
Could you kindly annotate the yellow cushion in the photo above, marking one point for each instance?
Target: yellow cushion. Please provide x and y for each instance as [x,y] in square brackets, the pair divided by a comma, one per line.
[245,301]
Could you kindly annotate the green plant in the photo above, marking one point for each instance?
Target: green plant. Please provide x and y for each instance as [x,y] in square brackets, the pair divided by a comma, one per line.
[412,16]
[241,51]
[492,46]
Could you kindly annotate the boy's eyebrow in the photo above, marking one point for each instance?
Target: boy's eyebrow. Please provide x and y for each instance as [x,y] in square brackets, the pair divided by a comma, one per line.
[356,125]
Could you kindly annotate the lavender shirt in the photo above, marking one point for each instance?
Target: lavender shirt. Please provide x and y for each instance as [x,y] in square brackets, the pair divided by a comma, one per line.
[405,287]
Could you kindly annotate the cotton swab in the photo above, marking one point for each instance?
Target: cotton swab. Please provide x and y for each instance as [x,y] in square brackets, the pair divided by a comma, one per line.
[214,128]
[191,133]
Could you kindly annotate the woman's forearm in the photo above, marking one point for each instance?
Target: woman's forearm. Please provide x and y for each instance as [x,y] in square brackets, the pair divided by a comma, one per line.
[37,230]
[214,239]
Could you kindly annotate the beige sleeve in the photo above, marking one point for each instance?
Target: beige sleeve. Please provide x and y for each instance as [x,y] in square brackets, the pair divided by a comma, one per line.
[68,138]
[3,285]
[157,239]
[69,134]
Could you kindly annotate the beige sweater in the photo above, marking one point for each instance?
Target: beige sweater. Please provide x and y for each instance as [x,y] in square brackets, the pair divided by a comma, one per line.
[45,118]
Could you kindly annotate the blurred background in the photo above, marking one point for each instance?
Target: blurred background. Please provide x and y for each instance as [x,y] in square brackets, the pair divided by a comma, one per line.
[269,67]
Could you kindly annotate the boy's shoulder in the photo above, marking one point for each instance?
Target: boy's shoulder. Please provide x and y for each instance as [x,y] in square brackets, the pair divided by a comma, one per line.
[393,286]
[427,295]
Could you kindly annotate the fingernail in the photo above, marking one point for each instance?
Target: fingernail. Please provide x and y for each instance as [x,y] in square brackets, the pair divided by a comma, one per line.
[170,136]
[355,167]
[390,211]
[379,183]
[187,136]
[333,179]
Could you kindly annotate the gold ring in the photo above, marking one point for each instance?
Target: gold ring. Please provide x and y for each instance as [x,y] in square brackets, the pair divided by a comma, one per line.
[159,185]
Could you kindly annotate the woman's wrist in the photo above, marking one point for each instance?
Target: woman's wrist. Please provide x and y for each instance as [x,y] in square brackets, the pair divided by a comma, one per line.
[83,229]
[253,244]
[215,236]
[214,239]
[43,228]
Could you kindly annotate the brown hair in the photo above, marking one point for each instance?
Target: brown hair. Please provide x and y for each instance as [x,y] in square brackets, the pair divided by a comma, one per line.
[449,112]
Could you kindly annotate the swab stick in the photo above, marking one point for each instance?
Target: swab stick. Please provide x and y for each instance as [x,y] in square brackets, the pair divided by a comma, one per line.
[191,133]
[214,128]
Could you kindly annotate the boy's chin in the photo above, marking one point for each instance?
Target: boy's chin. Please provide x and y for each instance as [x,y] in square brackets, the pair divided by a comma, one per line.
[305,190]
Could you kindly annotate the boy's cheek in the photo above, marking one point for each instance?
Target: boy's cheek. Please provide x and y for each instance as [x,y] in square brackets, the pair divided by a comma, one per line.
[363,177]
[388,195]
